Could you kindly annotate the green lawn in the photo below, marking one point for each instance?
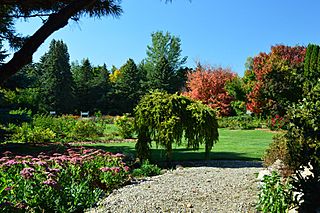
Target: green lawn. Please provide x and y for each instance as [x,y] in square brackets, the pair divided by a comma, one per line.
[233,144]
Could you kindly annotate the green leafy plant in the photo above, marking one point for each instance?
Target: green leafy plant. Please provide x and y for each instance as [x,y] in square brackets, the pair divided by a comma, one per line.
[304,149]
[166,119]
[125,125]
[278,150]
[28,134]
[275,196]
[68,182]
[146,169]
[240,122]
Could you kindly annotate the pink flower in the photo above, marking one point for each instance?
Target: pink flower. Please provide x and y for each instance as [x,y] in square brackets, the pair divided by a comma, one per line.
[26,173]
[6,153]
[10,163]
[126,168]
[54,170]
[50,182]
[8,188]
[118,155]
[116,169]
[105,169]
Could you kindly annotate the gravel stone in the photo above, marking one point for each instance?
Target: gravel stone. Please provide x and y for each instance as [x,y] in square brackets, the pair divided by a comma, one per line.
[213,186]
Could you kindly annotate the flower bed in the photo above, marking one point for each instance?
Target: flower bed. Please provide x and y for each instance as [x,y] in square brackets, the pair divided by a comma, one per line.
[66,182]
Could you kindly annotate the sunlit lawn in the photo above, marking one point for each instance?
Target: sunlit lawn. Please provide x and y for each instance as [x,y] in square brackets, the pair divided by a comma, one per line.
[232,144]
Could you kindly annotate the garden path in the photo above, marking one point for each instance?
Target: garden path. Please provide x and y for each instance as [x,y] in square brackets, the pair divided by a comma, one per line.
[214,186]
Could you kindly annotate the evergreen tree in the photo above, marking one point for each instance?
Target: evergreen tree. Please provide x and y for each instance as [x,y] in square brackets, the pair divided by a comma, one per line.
[56,79]
[311,67]
[128,87]
[83,78]
[163,61]
[163,76]
[100,89]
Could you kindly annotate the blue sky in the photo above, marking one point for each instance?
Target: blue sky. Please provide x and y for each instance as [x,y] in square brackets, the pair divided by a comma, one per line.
[216,32]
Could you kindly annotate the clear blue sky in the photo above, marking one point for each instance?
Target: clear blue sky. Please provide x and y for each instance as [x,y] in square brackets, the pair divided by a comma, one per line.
[217,32]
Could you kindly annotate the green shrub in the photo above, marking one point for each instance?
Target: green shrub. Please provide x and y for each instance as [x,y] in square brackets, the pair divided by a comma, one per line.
[278,123]
[28,134]
[84,129]
[275,197]
[278,150]
[125,125]
[146,170]
[240,122]
[304,148]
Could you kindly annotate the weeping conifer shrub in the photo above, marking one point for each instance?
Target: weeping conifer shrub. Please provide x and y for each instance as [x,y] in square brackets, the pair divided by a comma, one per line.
[168,118]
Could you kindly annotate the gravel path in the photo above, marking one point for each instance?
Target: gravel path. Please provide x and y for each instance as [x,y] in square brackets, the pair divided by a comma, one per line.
[220,186]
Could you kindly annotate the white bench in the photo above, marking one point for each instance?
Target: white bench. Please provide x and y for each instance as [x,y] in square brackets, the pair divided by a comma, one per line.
[84,114]
[52,113]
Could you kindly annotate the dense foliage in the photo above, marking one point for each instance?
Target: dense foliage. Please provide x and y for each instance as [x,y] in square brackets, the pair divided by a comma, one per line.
[278,80]
[68,182]
[167,119]
[275,196]
[207,84]
[304,148]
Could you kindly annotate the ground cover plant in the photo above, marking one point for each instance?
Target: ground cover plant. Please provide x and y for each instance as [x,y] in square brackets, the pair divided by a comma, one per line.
[68,182]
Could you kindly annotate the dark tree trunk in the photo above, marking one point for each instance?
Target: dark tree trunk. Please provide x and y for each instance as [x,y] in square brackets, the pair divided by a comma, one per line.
[54,22]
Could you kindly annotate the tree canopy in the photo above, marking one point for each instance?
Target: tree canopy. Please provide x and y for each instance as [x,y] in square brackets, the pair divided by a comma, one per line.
[55,15]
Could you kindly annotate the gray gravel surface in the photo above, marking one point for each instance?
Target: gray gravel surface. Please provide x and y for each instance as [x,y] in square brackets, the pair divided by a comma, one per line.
[217,186]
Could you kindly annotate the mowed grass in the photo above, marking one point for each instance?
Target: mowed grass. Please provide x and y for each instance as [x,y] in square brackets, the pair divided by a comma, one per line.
[247,145]
[232,145]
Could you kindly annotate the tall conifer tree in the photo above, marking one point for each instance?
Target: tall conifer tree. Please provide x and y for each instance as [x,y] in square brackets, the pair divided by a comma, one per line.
[56,79]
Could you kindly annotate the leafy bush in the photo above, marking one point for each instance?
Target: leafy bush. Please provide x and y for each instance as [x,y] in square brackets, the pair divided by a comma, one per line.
[304,148]
[61,129]
[68,182]
[84,129]
[275,197]
[240,122]
[278,150]
[146,169]
[28,134]
[125,125]
[166,119]
[278,123]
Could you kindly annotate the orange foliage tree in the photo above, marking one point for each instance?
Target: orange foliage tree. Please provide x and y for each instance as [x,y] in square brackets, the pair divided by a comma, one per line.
[207,84]
[276,79]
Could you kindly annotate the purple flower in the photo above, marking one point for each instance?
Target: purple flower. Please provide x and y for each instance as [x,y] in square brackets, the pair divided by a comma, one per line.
[26,173]
[50,182]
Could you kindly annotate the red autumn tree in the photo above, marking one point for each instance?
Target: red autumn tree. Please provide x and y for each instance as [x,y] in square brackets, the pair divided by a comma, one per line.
[207,85]
[276,80]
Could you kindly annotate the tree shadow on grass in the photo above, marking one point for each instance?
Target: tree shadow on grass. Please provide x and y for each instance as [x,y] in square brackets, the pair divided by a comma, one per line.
[32,149]
[181,156]
[190,158]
